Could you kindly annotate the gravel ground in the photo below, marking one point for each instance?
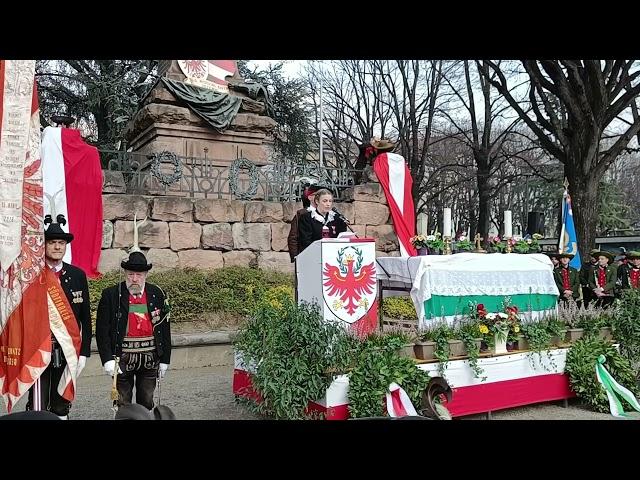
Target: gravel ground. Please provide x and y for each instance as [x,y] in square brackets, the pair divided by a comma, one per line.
[205,394]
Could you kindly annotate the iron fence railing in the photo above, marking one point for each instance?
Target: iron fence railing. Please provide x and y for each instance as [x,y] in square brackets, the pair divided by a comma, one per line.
[165,173]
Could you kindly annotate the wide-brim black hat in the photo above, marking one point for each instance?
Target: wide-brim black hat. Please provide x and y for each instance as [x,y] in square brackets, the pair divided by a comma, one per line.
[133,411]
[136,262]
[55,232]
[565,255]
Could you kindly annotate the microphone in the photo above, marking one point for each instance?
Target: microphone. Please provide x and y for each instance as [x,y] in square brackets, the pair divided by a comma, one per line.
[340,216]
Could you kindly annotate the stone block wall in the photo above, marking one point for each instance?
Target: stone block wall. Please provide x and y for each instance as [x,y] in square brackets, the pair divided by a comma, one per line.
[213,233]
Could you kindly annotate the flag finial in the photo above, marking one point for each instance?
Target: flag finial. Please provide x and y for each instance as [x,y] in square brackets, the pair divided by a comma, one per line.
[566,183]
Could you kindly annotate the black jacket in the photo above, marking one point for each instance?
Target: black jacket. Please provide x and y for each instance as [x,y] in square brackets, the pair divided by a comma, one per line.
[310,229]
[624,274]
[112,320]
[74,283]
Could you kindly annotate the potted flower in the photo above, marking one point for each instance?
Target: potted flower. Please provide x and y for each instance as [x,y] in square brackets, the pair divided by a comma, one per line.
[569,313]
[435,243]
[495,327]
[496,244]
[521,245]
[462,244]
[471,337]
[419,242]
[534,246]
[424,347]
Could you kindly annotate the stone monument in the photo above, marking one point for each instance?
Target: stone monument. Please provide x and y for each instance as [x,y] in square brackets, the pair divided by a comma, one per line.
[202,108]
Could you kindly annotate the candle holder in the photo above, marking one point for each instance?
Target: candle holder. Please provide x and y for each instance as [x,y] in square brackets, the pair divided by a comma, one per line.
[508,248]
[447,245]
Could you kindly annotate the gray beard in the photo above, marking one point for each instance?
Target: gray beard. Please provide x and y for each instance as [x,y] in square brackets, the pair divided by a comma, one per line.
[135,289]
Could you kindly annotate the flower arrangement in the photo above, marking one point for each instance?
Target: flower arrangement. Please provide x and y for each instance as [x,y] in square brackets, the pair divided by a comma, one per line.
[463,244]
[517,243]
[497,244]
[435,242]
[418,241]
[432,242]
[499,324]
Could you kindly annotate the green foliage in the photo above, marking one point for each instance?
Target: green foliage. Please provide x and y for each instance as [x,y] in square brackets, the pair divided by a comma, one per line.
[195,293]
[581,368]
[537,334]
[556,327]
[375,370]
[464,246]
[613,208]
[102,94]
[626,326]
[399,307]
[294,133]
[292,350]
[469,333]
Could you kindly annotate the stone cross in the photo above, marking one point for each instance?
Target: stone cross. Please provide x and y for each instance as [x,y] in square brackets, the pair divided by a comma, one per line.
[478,239]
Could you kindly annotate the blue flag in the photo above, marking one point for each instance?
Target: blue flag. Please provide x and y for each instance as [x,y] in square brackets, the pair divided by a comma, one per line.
[568,242]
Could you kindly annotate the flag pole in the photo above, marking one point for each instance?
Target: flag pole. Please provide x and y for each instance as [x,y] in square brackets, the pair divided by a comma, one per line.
[564,208]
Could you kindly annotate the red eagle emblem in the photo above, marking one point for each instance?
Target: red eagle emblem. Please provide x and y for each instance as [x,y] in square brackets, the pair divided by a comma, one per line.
[348,282]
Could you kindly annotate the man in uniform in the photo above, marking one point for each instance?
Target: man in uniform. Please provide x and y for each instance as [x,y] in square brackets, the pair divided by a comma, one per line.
[133,328]
[586,271]
[567,279]
[629,273]
[603,279]
[74,284]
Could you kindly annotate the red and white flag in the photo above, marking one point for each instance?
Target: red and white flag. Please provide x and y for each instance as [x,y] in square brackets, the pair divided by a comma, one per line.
[27,288]
[73,177]
[396,181]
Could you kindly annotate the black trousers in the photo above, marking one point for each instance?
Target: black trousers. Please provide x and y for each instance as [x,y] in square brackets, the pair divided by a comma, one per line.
[50,399]
[139,369]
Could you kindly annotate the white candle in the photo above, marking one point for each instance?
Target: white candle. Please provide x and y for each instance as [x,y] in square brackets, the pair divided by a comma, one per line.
[446,227]
[508,230]
[423,224]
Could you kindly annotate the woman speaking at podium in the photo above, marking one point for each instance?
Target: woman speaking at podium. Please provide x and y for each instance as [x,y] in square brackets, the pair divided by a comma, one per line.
[319,221]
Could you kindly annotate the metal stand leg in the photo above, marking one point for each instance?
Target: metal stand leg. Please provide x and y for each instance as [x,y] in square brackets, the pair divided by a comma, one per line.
[488,416]
[565,403]
[380,298]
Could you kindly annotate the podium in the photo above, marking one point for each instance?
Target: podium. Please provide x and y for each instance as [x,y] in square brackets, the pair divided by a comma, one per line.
[339,274]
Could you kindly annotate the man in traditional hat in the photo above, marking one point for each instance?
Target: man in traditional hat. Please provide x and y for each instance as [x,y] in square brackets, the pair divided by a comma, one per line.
[74,284]
[603,279]
[133,327]
[292,239]
[567,278]
[629,273]
[553,256]
[586,272]
[382,145]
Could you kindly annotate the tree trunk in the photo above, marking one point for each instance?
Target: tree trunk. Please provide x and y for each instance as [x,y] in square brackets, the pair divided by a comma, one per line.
[483,204]
[584,202]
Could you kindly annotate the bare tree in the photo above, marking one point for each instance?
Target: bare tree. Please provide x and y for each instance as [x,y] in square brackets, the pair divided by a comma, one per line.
[484,130]
[573,103]
[353,108]
[414,95]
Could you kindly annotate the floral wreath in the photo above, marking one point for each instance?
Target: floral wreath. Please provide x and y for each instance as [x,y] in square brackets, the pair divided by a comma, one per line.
[234,170]
[166,179]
